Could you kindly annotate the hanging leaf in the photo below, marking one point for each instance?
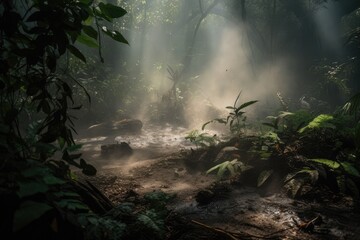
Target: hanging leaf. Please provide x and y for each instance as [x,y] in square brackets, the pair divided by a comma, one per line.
[114,35]
[90,31]
[112,11]
[350,169]
[88,41]
[76,53]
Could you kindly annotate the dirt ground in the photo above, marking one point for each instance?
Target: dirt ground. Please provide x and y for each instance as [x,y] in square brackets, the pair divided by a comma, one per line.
[234,211]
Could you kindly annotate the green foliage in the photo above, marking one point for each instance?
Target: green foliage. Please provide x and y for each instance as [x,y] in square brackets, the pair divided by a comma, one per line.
[289,122]
[352,106]
[343,170]
[277,120]
[236,118]
[332,80]
[202,139]
[234,167]
[320,122]
[329,163]
[35,122]
[127,221]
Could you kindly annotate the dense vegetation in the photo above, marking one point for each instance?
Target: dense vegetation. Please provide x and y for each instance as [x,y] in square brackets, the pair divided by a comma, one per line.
[61,64]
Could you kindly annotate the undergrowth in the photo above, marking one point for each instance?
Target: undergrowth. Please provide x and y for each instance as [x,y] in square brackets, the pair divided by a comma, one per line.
[299,149]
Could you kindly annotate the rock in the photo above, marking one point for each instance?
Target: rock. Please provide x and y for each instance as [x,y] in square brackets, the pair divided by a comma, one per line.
[120,150]
[204,197]
[132,126]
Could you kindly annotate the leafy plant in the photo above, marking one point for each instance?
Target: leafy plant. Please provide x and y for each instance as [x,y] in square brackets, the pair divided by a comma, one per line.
[289,122]
[320,122]
[35,35]
[234,167]
[236,118]
[202,139]
[127,220]
[276,121]
[344,172]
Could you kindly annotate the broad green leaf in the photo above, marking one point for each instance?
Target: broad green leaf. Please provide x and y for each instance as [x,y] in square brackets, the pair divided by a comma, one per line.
[90,31]
[76,53]
[88,41]
[321,121]
[111,11]
[52,180]
[88,21]
[31,188]
[212,169]
[330,163]
[115,35]
[222,169]
[350,169]
[263,176]
[231,169]
[244,105]
[28,212]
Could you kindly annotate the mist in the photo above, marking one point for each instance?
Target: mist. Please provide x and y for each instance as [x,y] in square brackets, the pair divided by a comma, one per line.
[223,63]
[188,60]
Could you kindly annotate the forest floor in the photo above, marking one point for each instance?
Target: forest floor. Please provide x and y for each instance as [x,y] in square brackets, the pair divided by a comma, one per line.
[231,210]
